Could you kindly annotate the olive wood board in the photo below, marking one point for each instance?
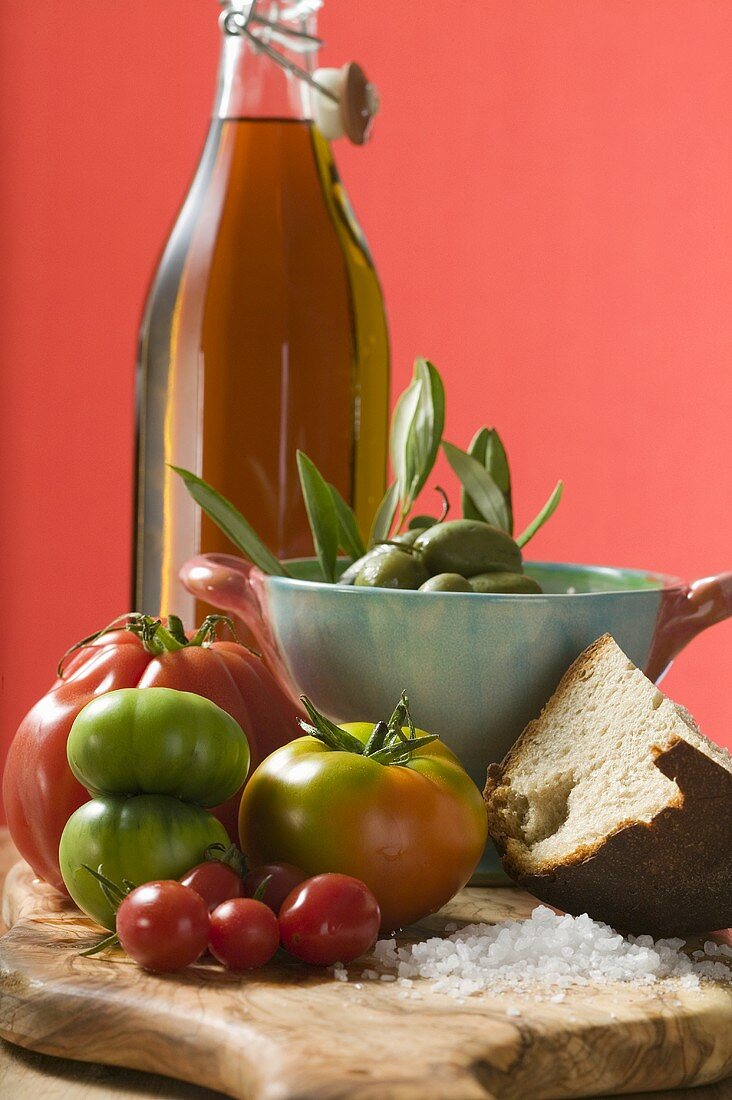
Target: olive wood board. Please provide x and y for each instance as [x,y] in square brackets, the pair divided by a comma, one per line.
[288,1032]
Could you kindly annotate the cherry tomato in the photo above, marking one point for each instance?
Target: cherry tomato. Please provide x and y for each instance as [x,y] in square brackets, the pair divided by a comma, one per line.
[163,926]
[244,934]
[328,919]
[283,878]
[215,882]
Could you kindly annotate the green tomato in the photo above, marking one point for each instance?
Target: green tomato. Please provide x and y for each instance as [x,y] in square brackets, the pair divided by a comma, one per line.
[158,741]
[144,838]
[413,833]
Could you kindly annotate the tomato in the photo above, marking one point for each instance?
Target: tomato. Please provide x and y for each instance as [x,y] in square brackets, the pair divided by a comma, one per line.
[244,934]
[143,838]
[404,818]
[158,741]
[329,919]
[163,926]
[283,878]
[215,881]
[39,790]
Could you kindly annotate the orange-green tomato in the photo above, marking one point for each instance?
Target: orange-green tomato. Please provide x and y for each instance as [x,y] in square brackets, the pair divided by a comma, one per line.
[413,832]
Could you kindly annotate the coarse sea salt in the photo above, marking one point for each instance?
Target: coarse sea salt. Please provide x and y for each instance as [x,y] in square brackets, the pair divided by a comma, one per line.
[547,952]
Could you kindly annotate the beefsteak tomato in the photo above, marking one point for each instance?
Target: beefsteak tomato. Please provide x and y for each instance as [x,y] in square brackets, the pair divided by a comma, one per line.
[39,790]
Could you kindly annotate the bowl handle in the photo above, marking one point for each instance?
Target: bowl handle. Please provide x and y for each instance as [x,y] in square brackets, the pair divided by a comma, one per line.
[237,587]
[684,613]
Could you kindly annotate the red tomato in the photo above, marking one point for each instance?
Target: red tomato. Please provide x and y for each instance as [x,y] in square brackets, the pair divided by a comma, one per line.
[163,926]
[329,919]
[39,791]
[244,934]
[283,878]
[215,882]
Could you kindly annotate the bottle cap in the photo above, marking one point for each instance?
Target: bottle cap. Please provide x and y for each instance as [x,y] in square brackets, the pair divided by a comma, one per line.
[344,102]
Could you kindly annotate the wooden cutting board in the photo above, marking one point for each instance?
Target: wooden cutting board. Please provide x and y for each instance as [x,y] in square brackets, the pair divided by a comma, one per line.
[290,1033]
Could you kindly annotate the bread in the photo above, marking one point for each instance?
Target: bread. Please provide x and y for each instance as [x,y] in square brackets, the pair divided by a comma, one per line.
[612,803]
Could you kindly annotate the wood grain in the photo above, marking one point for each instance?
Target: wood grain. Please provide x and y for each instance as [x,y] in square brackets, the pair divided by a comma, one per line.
[288,1033]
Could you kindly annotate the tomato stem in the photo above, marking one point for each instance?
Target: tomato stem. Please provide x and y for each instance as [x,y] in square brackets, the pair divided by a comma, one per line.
[388,743]
[158,637]
[113,892]
[120,623]
[109,941]
[231,856]
[377,739]
[328,732]
[176,628]
[164,640]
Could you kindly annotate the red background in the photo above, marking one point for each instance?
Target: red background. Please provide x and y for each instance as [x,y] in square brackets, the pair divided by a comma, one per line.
[547,196]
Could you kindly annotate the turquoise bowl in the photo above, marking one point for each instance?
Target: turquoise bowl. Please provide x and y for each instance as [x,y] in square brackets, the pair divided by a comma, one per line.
[476,666]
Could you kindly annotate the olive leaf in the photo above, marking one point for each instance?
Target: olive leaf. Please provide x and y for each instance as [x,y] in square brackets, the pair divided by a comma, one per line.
[477,449]
[416,432]
[487,448]
[322,515]
[384,517]
[402,425]
[230,520]
[349,536]
[482,489]
[496,463]
[428,424]
[546,512]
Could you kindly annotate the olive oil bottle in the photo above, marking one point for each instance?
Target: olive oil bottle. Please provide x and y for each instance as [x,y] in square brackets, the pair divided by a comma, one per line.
[264,332]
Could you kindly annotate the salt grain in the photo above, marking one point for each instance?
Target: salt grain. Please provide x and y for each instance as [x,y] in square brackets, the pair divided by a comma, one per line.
[546,952]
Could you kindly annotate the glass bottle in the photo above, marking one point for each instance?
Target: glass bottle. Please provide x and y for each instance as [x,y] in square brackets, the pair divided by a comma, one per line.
[264,332]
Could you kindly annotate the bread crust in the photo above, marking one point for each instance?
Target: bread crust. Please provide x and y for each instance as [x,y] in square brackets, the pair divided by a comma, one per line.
[669,877]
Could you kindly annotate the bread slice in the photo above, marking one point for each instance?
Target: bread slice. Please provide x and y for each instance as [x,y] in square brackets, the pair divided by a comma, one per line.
[613,803]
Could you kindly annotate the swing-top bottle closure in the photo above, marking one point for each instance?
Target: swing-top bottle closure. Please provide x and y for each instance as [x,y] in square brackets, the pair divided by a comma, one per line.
[344,101]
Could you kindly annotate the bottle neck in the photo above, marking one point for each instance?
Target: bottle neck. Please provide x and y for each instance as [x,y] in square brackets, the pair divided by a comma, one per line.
[253,85]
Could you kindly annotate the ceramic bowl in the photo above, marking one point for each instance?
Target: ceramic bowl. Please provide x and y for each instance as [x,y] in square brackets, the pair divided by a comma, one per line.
[476,667]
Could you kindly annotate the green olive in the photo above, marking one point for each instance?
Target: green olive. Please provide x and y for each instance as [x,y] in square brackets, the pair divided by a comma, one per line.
[348,576]
[504,582]
[390,567]
[468,547]
[446,582]
[408,538]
